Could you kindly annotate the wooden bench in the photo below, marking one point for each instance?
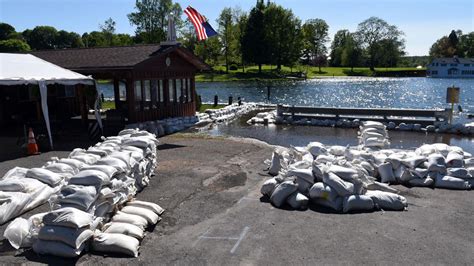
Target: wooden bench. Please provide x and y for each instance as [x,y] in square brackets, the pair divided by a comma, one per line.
[420,116]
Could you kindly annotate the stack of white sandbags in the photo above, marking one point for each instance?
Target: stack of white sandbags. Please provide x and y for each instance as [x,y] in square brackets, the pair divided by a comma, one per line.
[95,183]
[344,178]
[127,228]
[230,112]
[328,178]
[373,135]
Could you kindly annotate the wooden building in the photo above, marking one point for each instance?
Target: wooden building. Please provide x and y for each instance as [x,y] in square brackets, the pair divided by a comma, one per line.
[151,82]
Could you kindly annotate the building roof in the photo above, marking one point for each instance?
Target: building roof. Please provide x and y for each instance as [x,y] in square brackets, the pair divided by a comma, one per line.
[454,60]
[120,57]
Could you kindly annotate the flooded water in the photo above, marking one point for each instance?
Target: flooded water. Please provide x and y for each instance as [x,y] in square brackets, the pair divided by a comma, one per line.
[288,135]
[357,92]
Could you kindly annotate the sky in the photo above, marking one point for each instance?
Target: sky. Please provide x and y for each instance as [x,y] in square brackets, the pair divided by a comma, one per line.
[422,21]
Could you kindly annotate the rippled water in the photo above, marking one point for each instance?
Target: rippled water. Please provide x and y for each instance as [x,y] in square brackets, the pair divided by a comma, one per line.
[345,92]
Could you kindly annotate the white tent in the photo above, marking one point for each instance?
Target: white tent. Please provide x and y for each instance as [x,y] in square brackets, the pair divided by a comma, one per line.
[23,69]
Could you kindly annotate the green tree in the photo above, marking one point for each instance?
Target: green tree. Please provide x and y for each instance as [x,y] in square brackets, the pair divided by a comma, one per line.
[42,37]
[315,34]
[351,52]
[372,31]
[151,19]
[66,39]
[442,48]
[226,33]
[108,29]
[453,39]
[94,39]
[337,47]
[188,37]
[241,19]
[209,50]
[14,45]
[283,35]
[254,44]
[6,30]
[122,39]
[466,45]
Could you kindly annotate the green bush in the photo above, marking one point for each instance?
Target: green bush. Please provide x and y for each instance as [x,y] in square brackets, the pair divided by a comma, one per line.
[233,67]
[14,45]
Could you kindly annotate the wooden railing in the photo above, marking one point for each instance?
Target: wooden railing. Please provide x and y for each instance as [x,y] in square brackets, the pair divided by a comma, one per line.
[421,116]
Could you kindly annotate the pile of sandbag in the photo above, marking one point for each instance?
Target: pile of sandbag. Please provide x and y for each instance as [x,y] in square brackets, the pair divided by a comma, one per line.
[326,177]
[373,134]
[92,184]
[230,112]
[357,178]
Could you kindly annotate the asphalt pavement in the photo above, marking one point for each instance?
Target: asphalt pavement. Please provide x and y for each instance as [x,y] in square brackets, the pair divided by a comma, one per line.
[215,215]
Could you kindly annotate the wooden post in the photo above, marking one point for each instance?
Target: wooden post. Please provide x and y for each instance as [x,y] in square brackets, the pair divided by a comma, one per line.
[131,100]
[117,94]
[83,103]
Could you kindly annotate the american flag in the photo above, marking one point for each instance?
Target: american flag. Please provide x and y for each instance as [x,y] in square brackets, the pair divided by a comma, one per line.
[203,29]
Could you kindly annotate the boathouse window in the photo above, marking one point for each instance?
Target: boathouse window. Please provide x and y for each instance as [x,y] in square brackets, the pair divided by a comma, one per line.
[147,94]
[179,91]
[171,89]
[122,91]
[443,64]
[161,87]
[138,94]
[454,64]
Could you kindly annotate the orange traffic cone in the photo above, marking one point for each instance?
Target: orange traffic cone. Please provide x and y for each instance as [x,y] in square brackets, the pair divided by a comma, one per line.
[32,146]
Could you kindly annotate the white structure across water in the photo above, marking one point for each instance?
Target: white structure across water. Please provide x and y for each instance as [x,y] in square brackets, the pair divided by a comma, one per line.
[451,68]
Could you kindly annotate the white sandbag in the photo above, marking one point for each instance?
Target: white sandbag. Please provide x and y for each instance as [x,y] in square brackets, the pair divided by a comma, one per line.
[116,243]
[373,124]
[414,161]
[323,191]
[103,208]
[395,159]
[97,151]
[303,185]
[421,182]
[25,185]
[454,160]
[386,173]
[381,186]
[81,196]
[140,142]
[76,164]
[56,248]
[72,237]
[420,172]
[110,171]
[470,170]
[347,174]
[451,182]
[337,150]
[15,173]
[297,201]
[318,171]
[17,231]
[281,193]
[90,178]
[50,178]
[426,150]
[357,203]
[343,188]
[137,220]
[387,201]
[61,168]
[12,204]
[469,162]
[441,148]
[335,204]
[148,205]
[324,159]
[458,172]
[69,217]
[125,156]
[120,165]
[406,176]
[86,158]
[306,174]
[151,217]
[125,229]
[316,148]
[268,187]
[275,165]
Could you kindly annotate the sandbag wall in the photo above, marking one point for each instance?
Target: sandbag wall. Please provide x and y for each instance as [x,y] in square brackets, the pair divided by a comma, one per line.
[95,184]
[348,179]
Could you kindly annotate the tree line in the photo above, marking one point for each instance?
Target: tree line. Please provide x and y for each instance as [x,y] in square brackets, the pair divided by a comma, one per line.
[267,34]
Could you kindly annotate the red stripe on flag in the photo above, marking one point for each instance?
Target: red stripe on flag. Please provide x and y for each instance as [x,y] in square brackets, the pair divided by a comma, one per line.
[197,25]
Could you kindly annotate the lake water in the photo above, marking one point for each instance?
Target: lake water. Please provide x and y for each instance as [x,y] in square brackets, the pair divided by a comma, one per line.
[359,92]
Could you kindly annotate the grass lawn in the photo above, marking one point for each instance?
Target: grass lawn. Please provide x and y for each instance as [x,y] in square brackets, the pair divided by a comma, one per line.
[204,107]
[108,105]
[270,72]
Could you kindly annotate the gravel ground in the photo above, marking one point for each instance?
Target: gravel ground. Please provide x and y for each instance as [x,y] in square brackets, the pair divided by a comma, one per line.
[215,215]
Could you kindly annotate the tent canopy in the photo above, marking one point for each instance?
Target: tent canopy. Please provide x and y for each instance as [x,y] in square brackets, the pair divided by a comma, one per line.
[22,69]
